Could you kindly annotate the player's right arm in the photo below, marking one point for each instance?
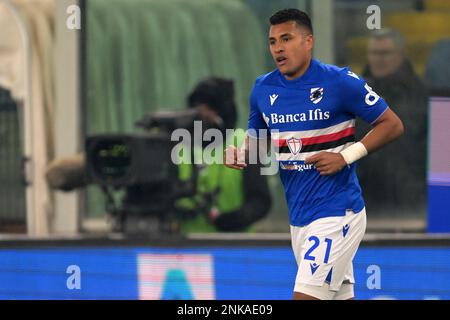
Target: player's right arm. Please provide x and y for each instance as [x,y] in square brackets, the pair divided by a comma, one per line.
[237,158]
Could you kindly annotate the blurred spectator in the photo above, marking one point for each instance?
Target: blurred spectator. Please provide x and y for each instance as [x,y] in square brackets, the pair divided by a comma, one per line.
[394,178]
[226,199]
[437,73]
[236,198]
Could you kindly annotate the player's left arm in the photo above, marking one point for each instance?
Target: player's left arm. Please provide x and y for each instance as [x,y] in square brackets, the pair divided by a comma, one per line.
[386,129]
[363,102]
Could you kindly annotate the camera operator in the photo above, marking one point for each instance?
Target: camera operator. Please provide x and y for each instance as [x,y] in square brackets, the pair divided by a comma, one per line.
[216,206]
[237,199]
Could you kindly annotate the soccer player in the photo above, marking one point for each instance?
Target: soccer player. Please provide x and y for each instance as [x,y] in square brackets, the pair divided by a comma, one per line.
[309,109]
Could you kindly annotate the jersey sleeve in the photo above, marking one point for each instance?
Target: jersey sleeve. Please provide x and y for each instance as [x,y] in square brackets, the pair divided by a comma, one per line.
[359,98]
[255,119]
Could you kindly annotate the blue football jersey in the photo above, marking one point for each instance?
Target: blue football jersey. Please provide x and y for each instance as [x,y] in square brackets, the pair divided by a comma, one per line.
[313,113]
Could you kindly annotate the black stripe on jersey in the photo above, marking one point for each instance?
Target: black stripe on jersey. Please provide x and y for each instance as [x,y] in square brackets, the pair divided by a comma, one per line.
[321,146]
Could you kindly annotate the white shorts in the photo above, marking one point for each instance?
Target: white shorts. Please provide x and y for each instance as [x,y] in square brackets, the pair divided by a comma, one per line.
[324,251]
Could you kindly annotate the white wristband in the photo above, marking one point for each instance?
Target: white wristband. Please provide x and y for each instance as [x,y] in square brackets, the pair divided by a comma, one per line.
[353,153]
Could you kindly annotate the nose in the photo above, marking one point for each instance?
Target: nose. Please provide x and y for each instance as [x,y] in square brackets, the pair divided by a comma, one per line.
[278,48]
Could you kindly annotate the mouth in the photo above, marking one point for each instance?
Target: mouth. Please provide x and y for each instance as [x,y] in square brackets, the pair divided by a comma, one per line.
[281,61]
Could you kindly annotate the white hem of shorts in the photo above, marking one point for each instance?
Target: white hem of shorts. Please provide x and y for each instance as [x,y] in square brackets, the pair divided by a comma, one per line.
[325,293]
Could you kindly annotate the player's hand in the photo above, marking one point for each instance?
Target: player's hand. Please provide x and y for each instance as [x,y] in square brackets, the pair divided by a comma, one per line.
[234,158]
[327,163]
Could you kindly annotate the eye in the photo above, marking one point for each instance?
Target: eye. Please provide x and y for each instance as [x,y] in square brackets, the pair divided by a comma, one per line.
[271,42]
[285,39]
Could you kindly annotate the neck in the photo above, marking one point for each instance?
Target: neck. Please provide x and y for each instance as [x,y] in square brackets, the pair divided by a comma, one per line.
[300,72]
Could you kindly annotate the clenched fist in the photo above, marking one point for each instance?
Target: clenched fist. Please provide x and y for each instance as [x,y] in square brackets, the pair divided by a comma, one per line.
[327,163]
[234,158]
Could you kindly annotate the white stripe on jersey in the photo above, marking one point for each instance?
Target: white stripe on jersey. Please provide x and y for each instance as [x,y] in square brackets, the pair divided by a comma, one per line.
[313,133]
[303,155]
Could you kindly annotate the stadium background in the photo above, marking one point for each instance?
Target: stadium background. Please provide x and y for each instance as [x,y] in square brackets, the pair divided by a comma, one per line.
[132,57]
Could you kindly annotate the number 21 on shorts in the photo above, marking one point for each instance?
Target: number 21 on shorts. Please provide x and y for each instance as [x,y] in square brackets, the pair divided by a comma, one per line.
[315,243]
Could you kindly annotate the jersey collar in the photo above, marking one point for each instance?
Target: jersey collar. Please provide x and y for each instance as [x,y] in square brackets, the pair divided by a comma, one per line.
[302,79]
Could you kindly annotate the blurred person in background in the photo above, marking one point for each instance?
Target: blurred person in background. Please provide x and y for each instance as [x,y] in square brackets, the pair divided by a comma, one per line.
[216,206]
[394,178]
[234,199]
[437,72]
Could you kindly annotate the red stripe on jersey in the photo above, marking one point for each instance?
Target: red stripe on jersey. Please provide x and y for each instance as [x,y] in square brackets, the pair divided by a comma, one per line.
[319,139]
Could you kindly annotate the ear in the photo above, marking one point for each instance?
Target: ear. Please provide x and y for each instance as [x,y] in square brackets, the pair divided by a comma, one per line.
[310,42]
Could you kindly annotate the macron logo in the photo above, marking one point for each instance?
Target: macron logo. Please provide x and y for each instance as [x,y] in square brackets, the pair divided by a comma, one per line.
[273,98]
[351,74]
[314,266]
[345,230]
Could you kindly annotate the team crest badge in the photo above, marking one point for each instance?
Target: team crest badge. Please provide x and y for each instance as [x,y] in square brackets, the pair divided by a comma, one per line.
[295,145]
[316,95]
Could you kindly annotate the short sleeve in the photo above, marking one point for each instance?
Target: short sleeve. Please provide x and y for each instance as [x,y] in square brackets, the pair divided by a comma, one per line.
[255,119]
[359,98]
